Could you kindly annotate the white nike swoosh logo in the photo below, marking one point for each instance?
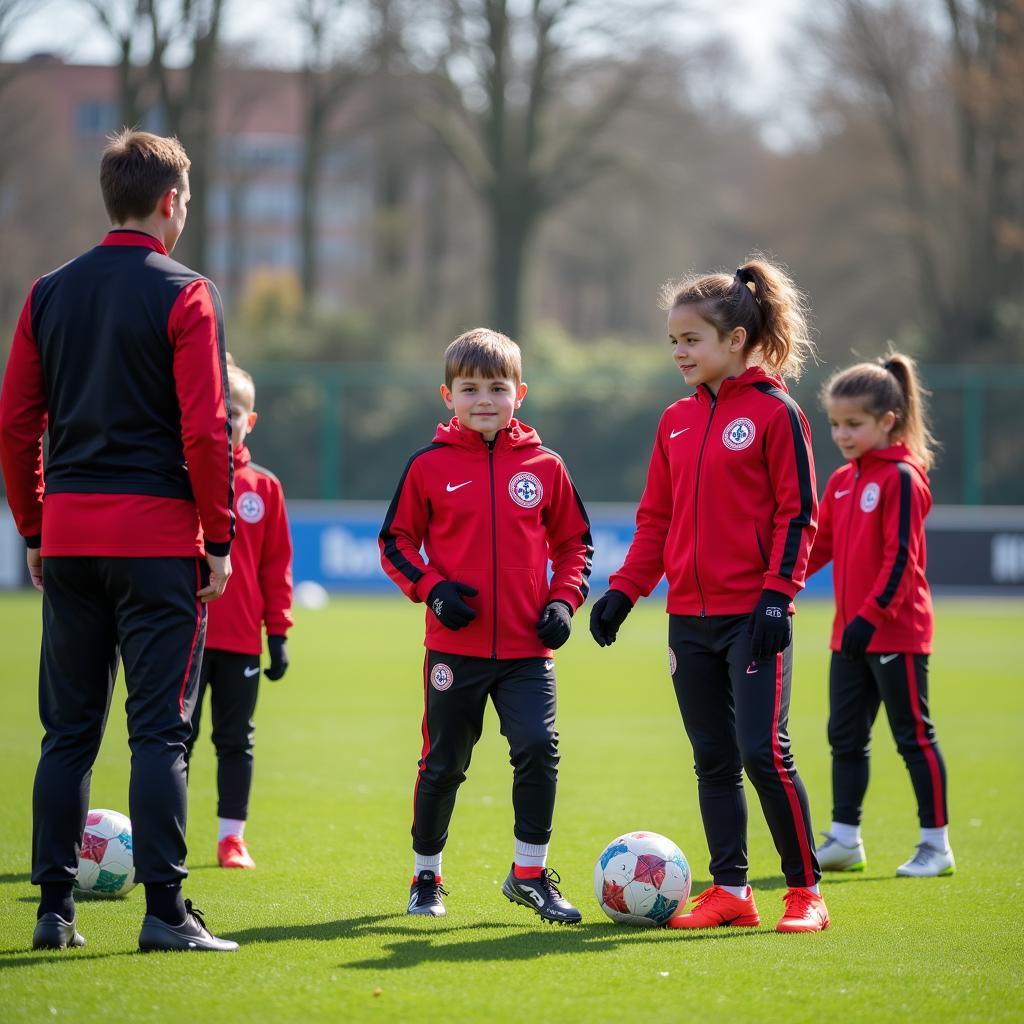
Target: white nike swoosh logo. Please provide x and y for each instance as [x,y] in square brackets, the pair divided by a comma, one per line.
[250,672]
[842,494]
[752,668]
[676,433]
[450,488]
[886,658]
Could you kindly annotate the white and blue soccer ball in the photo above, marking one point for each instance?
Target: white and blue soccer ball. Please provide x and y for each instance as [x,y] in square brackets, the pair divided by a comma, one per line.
[642,879]
[105,865]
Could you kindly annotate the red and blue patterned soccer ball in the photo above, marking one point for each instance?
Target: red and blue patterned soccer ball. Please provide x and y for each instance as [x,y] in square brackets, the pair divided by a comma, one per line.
[642,878]
[105,865]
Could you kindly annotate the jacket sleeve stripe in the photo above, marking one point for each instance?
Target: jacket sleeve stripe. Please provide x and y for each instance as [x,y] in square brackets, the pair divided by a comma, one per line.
[389,543]
[903,539]
[802,520]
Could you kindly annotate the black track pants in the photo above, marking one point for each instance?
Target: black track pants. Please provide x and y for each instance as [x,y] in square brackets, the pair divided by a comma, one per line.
[857,688]
[456,689]
[93,608]
[736,713]
[233,681]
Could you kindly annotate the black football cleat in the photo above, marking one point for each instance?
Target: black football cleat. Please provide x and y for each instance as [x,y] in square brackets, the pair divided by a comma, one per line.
[191,935]
[53,932]
[540,894]
[425,895]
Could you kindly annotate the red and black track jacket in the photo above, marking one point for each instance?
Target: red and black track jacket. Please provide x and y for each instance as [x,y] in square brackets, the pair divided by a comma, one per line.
[260,591]
[872,530]
[729,508]
[491,516]
[120,356]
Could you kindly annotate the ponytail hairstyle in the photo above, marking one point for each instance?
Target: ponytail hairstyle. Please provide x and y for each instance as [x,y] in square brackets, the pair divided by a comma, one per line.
[761,298]
[890,384]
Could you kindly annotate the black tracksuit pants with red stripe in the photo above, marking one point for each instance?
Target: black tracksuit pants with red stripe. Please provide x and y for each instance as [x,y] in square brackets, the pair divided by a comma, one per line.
[735,712]
[456,689]
[95,610]
[857,687]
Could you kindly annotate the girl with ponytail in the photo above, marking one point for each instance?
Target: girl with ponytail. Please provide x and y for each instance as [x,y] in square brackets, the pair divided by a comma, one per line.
[728,515]
[872,530]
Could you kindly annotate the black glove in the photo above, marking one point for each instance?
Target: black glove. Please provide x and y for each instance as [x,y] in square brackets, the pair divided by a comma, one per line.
[856,637]
[445,600]
[555,624]
[608,615]
[770,628]
[278,649]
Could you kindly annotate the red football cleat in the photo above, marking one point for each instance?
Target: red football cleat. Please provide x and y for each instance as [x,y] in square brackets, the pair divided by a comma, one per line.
[233,853]
[716,908]
[805,912]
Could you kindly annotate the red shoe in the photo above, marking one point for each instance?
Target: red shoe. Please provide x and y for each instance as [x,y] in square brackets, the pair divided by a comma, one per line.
[805,912]
[716,908]
[233,853]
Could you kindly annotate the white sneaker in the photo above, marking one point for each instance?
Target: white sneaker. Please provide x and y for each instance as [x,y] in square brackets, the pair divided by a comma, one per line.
[836,856]
[928,862]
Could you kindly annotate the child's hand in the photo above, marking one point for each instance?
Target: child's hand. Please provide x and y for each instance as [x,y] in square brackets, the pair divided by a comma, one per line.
[445,600]
[770,628]
[608,615]
[856,637]
[278,649]
[555,624]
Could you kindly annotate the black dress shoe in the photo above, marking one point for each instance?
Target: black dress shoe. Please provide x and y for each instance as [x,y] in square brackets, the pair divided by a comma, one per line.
[53,932]
[191,935]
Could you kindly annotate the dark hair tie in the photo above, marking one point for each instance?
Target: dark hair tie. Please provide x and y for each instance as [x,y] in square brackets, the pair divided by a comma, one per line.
[888,365]
[744,276]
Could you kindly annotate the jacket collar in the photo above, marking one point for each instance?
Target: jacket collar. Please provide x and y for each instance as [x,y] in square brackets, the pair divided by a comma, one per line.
[241,456]
[129,236]
[516,435]
[733,386]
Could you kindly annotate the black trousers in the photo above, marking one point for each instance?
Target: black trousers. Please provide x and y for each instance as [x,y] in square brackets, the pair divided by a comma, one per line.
[736,713]
[456,689]
[94,608]
[857,687]
[234,682]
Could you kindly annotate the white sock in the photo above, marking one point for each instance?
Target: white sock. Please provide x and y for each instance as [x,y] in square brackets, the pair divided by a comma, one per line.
[229,827]
[530,855]
[741,892]
[937,837]
[848,835]
[421,863]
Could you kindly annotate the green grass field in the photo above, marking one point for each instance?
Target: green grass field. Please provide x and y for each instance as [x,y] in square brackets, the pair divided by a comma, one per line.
[321,921]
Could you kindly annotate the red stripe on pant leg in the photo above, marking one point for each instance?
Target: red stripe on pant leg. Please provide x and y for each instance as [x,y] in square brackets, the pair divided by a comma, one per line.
[195,637]
[787,782]
[425,749]
[922,739]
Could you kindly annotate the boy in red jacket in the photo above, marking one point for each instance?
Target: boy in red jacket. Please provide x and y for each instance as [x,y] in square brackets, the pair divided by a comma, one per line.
[491,507]
[260,593]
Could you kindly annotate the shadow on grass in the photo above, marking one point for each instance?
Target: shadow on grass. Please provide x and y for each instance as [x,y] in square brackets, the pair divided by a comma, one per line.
[345,928]
[10,958]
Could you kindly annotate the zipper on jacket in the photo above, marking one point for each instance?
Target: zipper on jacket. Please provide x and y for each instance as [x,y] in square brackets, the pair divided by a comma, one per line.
[696,495]
[846,545]
[494,551]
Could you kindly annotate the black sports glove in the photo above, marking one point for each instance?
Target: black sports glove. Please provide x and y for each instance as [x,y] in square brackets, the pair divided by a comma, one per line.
[445,600]
[278,648]
[770,628]
[856,637]
[608,615]
[555,624]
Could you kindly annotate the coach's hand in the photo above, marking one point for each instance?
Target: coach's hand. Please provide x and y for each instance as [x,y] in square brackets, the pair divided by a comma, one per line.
[770,628]
[608,615]
[35,567]
[555,624]
[220,573]
[445,600]
[278,648]
[856,637]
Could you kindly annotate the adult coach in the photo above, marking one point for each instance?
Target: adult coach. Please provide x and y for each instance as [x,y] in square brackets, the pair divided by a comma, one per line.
[119,355]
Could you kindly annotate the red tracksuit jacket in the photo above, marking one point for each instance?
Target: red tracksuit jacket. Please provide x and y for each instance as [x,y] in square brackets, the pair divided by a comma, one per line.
[729,508]
[492,517]
[872,530]
[260,588]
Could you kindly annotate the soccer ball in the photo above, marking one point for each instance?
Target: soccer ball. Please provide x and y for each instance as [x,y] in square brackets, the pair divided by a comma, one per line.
[642,879]
[105,865]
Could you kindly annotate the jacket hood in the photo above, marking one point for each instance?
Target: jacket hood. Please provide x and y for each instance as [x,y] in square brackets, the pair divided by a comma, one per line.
[241,456]
[515,435]
[732,386]
[898,452]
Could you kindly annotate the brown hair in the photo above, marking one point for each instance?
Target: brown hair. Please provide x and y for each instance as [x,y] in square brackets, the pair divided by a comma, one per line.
[136,170]
[241,385]
[482,352]
[890,384]
[761,298]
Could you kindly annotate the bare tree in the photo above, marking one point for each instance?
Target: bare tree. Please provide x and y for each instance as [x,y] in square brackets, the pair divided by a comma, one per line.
[125,21]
